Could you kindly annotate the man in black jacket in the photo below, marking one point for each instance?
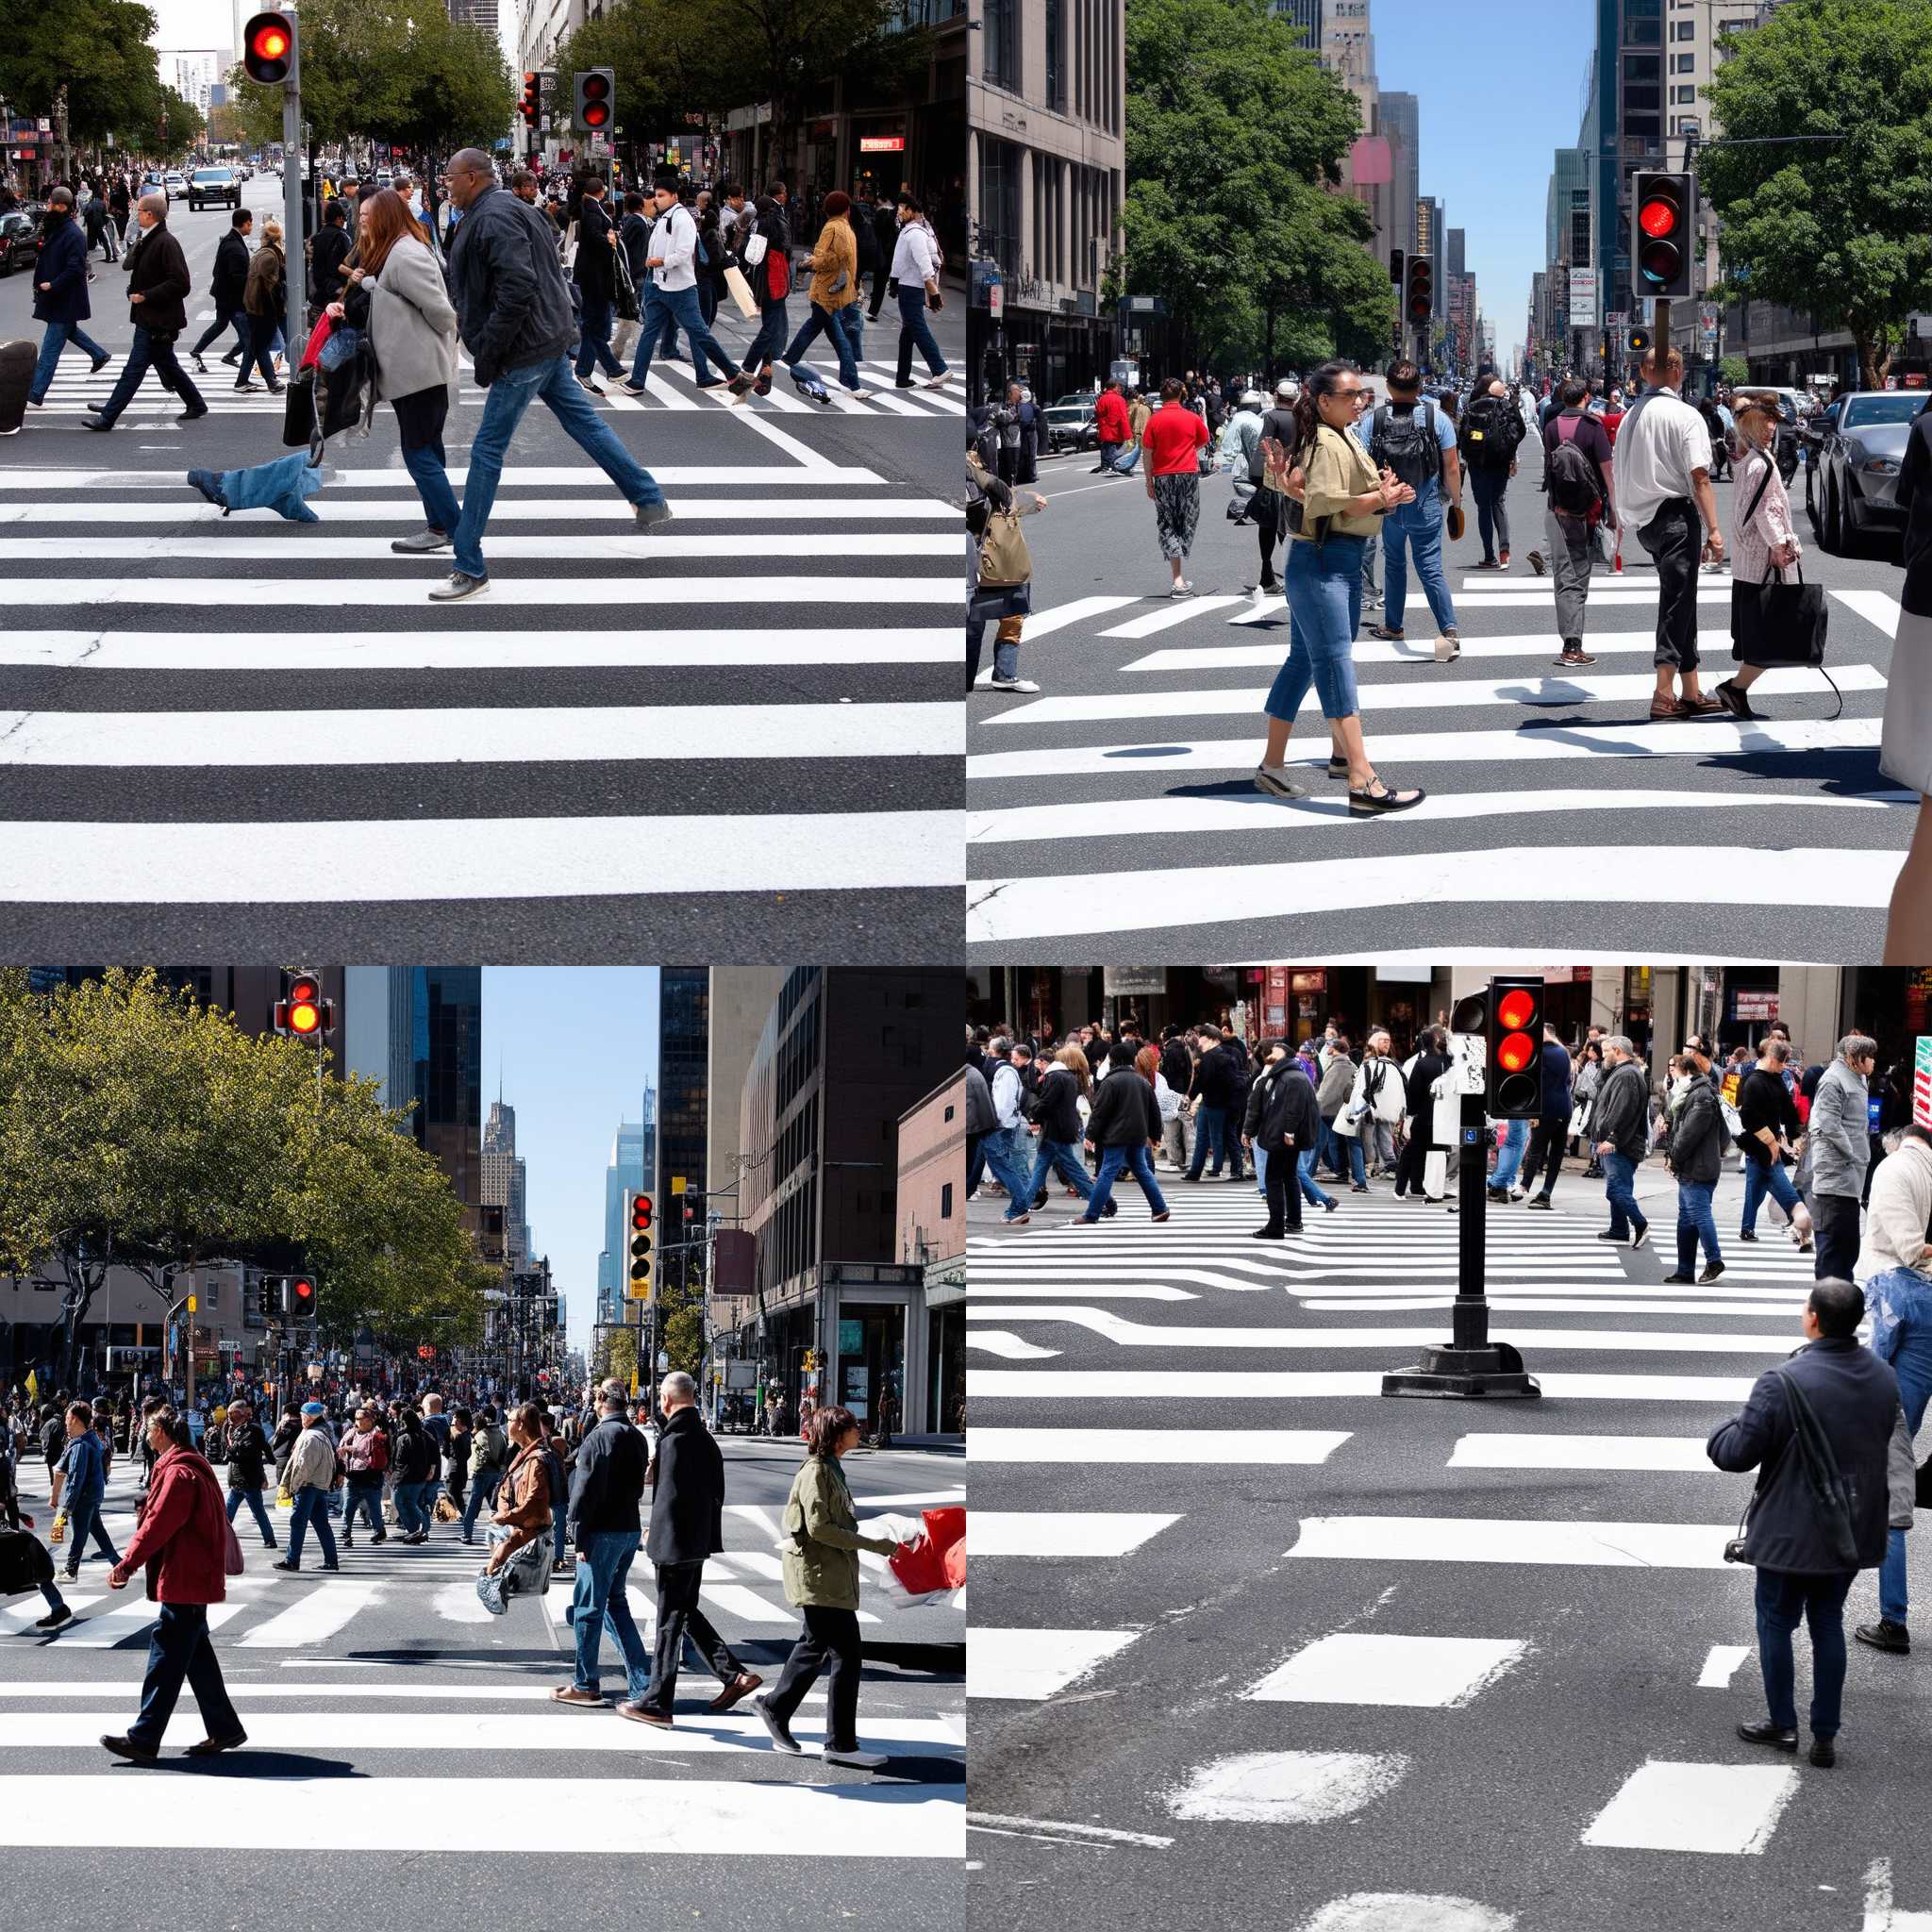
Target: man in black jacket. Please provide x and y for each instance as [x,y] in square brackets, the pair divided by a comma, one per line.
[60,298]
[1620,1125]
[227,288]
[513,311]
[1218,1090]
[595,274]
[603,1525]
[1697,1159]
[1124,1124]
[885,235]
[1287,1124]
[1770,1124]
[687,1525]
[248,1454]
[157,286]
[1807,1554]
[327,251]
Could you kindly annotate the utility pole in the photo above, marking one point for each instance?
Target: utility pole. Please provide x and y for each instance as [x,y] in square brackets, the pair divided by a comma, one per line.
[293,158]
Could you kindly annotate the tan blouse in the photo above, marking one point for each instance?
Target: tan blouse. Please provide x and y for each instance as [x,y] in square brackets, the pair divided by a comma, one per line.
[1336,470]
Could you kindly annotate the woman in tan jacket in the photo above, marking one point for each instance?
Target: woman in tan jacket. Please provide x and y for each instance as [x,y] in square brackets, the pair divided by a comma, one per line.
[834,293]
[523,1510]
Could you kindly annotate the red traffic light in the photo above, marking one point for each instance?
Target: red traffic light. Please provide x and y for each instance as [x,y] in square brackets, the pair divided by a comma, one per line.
[596,101]
[1516,1009]
[1658,215]
[425,1352]
[1515,1052]
[268,47]
[640,1211]
[304,1292]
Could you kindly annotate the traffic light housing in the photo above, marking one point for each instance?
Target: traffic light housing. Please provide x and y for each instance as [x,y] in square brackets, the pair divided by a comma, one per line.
[1663,218]
[304,1013]
[596,99]
[1513,1066]
[1640,340]
[1395,266]
[1418,298]
[531,106]
[638,1238]
[295,1297]
[268,48]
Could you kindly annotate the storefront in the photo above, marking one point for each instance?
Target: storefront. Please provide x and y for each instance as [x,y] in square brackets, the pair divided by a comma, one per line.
[1893,1004]
[945,1352]
[1748,1007]
[875,1339]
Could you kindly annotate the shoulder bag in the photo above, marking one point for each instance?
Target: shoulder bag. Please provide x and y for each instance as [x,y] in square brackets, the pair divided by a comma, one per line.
[1778,622]
[1004,558]
[1822,1482]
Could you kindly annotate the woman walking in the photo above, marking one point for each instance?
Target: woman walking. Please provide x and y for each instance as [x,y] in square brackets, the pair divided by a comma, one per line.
[821,1578]
[1056,1112]
[764,256]
[183,1539]
[1343,499]
[262,296]
[1173,439]
[1762,538]
[521,1515]
[833,292]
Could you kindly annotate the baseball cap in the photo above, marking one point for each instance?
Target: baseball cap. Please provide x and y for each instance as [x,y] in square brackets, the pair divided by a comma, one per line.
[313,1408]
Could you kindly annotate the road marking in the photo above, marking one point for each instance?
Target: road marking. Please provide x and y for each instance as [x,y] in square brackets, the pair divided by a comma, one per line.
[1537,1305]
[1363,1667]
[317,1616]
[1009,1347]
[337,591]
[1215,1446]
[1064,1533]
[1004,1826]
[1165,620]
[815,475]
[1032,1665]
[1665,1807]
[1514,1540]
[1288,1786]
[1112,1292]
[513,510]
[118,1625]
[18,1617]
[1187,659]
[1504,1449]
[1278,1385]
[1719,1665]
[250,550]
[1405,1911]
[1078,611]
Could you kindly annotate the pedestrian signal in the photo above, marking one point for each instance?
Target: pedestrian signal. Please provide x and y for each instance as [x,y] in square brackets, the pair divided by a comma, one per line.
[636,1215]
[1639,341]
[532,103]
[268,48]
[1664,205]
[295,1297]
[596,98]
[1418,303]
[1515,1059]
[1395,266]
[305,1013]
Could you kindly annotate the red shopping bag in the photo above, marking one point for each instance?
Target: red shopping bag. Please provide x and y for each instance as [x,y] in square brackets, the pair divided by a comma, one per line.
[317,336]
[936,1559]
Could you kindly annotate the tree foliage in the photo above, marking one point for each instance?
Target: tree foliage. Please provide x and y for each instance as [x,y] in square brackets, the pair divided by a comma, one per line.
[1235,143]
[1836,228]
[100,49]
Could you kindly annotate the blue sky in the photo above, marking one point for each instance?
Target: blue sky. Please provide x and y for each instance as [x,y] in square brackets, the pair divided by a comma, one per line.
[578,1045]
[1498,89]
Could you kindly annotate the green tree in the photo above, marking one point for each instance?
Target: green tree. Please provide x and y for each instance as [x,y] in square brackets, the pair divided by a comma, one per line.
[1834,228]
[1733,370]
[683,1338]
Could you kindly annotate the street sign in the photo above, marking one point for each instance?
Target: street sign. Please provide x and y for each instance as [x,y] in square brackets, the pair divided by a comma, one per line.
[995,300]
[1583,298]
[1922,1080]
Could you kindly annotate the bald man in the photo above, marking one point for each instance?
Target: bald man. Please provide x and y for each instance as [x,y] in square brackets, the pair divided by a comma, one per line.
[157,286]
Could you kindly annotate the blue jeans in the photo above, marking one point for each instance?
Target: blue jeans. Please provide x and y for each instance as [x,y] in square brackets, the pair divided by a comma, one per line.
[1515,1138]
[260,344]
[593,344]
[1112,1159]
[830,324]
[311,1506]
[1214,1135]
[1619,1173]
[1324,605]
[1905,1340]
[509,395]
[775,325]
[410,1515]
[439,505]
[483,1484]
[1695,1222]
[600,1604]
[83,1517]
[1784,1597]
[57,338]
[178,1652]
[915,332]
[1334,1143]
[1260,1155]
[1305,1173]
[1055,1157]
[666,311]
[1417,526]
[1767,1179]
[253,1498]
[363,1492]
[219,326]
[1010,1165]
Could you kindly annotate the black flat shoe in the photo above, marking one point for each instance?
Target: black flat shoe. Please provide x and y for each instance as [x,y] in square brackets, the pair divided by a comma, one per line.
[1769,1733]
[1681,1280]
[1375,798]
[1746,1236]
[1266,1233]
[1886,1634]
[1824,1751]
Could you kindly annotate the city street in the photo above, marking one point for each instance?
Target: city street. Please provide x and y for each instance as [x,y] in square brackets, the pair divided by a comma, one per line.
[1246,1628]
[1120,802]
[403,1747]
[634,746]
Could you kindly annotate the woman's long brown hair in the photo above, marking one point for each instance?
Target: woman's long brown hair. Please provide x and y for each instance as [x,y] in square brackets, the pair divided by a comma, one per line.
[385,220]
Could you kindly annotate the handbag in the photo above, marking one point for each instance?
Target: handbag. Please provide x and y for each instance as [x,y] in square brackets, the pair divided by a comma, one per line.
[1776,622]
[298,409]
[1004,558]
[740,290]
[753,250]
[627,309]
[624,338]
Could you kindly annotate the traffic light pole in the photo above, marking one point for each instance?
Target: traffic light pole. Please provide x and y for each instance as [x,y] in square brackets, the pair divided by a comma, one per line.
[292,236]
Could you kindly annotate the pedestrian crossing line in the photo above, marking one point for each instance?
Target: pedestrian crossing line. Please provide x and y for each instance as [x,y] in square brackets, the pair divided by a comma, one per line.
[182,739]
[1513,1540]
[1290,1788]
[1078,611]
[315,1618]
[1159,620]
[15,1618]
[1001,911]
[400,511]
[1527,744]
[818,474]
[1011,1347]
[1377,698]
[636,595]
[304,652]
[1721,1664]
[127,1624]
[241,545]
[1279,1385]
[496,1815]
[1128,819]
[1379,1667]
[251,863]
[685,376]
[1064,1533]
[246,1690]
[1665,1807]
[1153,1446]
[1600,579]
[1508,1449]
[1878,608]
[1192,658]
[1709,592]
[1029,1666]
[1112,1292]
[1522,1304]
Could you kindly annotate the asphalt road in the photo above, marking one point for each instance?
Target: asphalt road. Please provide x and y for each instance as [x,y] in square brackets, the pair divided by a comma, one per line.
[1394,1666]
[1119,804]
[405,1757]
[737,736]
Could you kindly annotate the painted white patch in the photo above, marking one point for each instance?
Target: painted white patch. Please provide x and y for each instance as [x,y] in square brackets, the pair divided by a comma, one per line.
[1288,1786]
[1363,1667]
[459,1604]
[1720,1664]
[1009,1347]
[318,1615]
[1504,1449]
[1666,1806]
[1063,1533]
[1264,1385]
[1516,1539]
[1405,1911]
[1035,1664]
[1214,1446]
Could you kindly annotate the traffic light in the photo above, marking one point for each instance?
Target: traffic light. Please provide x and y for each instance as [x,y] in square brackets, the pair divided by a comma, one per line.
[295,1297]
[1395,266]
[1640,340]
[1418,303]
[532,103]
[305,1013]
[1514,1070]
[265,1293]
[596,98]
[636,1215]
[1663,206]
[268,48]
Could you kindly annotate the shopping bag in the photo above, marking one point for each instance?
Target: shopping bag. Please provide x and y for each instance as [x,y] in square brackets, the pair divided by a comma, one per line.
[298,409]
[1436,1174]
[1776,622]
[231,1551]
[741,292]
[318,337]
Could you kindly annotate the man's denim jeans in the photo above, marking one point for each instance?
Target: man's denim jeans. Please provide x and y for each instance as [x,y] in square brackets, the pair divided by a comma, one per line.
[1762,1180]
[600,1603]
[1619,1174]
[666,311]
[253,1498]
[482,1496]
[57,338]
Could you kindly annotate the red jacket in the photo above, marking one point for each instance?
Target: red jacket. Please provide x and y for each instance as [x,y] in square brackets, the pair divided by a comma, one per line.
[183,1534]
[1111,417]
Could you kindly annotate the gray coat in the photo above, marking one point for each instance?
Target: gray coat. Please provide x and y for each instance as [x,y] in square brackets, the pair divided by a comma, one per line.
[1621,1115]
[1841,1135]
[412,324]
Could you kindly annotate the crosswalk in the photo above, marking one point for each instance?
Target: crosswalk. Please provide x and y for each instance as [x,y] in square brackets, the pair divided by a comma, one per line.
[1327,1612]
[1118,803]
[630,737]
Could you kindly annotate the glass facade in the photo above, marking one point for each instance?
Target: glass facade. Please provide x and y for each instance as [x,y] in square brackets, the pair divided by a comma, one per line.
[684,1006]
[436,1069]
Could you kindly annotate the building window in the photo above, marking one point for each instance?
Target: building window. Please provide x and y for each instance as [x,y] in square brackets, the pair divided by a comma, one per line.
[999,203]
[945,1200]
[1002,37]
[1684,30]
[1057,56]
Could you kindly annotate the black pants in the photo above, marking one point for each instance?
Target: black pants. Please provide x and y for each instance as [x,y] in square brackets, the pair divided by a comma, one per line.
[1671,538]
[1409,1169]
[1284,1188]
[255,352]
[213,332]
[831,1637]
[1265,512]
[879,278]
[150,352]
[1546,1153]
[678,1615]
[1835,1232]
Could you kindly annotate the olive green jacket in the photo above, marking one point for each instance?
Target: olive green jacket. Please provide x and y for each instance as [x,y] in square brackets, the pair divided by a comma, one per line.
[823,1539]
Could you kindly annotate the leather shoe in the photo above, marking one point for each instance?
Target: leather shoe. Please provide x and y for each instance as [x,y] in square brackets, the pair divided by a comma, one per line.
[213,1747]
[1824,1751]
[1769,1733]
[643,1715]
[1886,1634]
[128,1748]
[739,1687]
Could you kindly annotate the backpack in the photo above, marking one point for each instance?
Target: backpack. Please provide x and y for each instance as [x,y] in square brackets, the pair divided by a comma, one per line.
[1574,484]
[378,1452]
[1488,441]
[1407,444]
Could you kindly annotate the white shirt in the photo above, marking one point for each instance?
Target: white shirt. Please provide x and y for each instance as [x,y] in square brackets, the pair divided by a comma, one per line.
[675,236]
[1006,1094]
[915,262]
[1659,442]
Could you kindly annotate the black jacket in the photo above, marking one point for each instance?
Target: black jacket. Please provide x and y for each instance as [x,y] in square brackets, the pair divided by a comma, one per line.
[1428,1069]
[1218,1079]
[231,270]
[413,1458]
[1286,1119]
[247,1454]
[1697,1136]
[512,305]
[63,262]
[1125,1113]
[1763,1100]
[1854,1397]
[159,274]
[1057,1116]
[686,1492]
[327,254]
[1177,1066]
[594,270]
[609,1478]
[1621,1113]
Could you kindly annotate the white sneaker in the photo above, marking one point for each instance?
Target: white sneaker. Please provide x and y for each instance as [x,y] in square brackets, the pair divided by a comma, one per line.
[1182,588]
[1019,684]
[858,1760]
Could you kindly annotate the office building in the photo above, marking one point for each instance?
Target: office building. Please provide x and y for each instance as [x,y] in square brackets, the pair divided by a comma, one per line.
[740,1001]
[503,1181]
[932,1236]
[1398,121]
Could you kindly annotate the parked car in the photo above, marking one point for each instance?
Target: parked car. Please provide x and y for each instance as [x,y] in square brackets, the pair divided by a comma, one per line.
[20,240]
[214,188]
[1070,424]
[1852,485]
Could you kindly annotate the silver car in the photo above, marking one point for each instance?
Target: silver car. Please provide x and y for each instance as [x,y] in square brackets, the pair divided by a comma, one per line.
[1860,450]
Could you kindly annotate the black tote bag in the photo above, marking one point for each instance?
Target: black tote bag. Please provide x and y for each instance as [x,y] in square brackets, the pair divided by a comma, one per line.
[1778,622]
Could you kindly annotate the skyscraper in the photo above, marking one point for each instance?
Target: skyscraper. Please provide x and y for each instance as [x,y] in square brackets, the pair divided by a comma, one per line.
[683,1054]
[504,1180]
[1398,119]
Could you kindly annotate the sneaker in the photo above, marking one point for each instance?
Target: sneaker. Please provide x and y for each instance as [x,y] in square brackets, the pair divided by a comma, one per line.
[1573,658]
[1181,588]
[1712,1272]
[1536,563]
[461,584]
[595,388]
[1642,1235]
[54,1618]
[780,1730]
[1275,779]
[421,540]
[637,388]
[652,516]
[1504,565]
[100,363]
[1680,1280]
[288,1568]
[860,1760]
[1885,1635]
[1018,684]
[1542,1201]
[248,389]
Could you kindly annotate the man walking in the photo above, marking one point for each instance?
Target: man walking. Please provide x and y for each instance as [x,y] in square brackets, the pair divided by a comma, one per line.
[81,1479]
[1841,1137]
[1579,481]
[1620,1123]
[1662,486]
[1549,1131]
[1697,1159]
[489,1457]
[1812,1529]
[157,286]
[1771,1125]
[227,288]
[326,253]
[670,300]
[687,1525]
[1490,431]
[309,1477]
[1217,1082]
[60,298]
[247,1452]
[916,270]
[513,313]
[1111,430]
[1410,436]
[604,1527]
